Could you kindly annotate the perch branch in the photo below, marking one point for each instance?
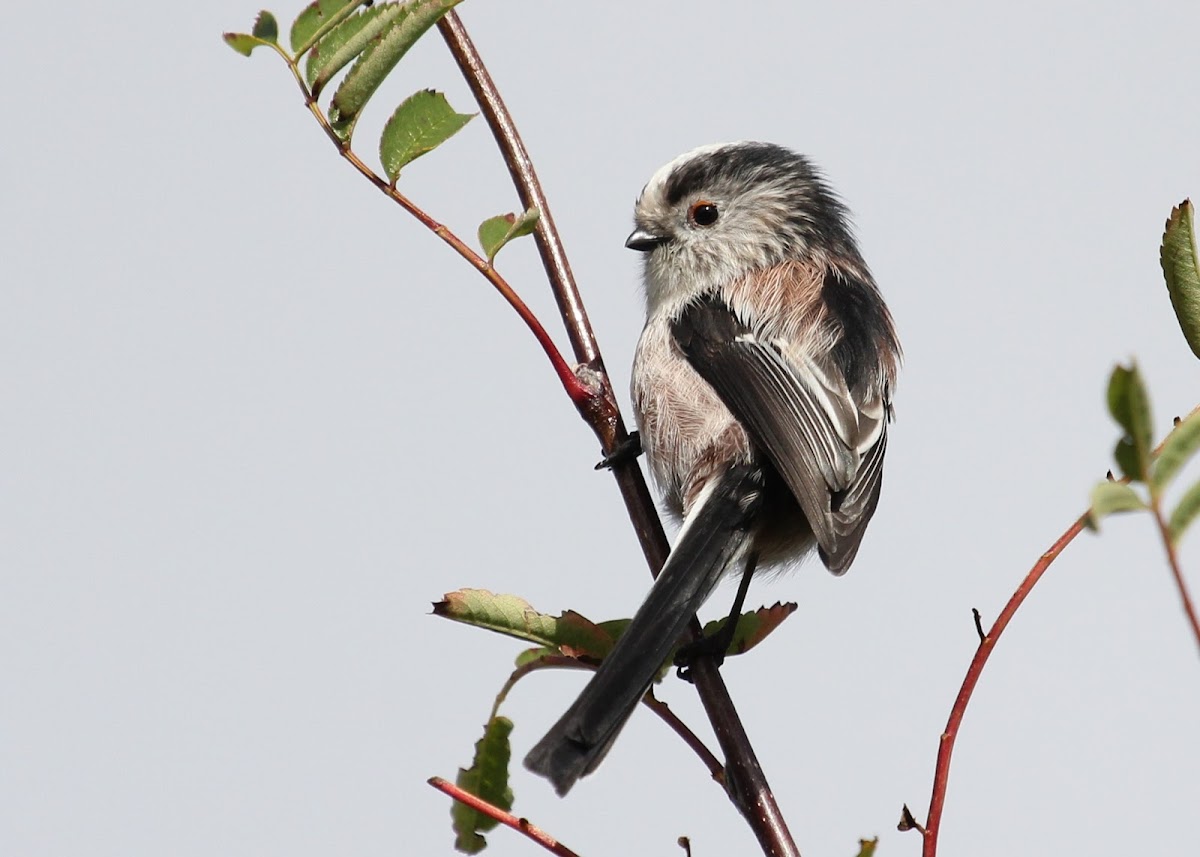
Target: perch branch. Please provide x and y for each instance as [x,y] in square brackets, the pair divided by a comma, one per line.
[745,781]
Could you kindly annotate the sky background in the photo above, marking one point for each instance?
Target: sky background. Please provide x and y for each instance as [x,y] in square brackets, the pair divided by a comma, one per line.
[256,420]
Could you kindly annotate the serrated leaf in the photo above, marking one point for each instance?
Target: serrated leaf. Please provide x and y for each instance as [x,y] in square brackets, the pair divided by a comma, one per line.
[375,65]
[569,633]
[265,27]
[1181,444]
[487,779]
[1130,407]
[312,18]
[244,43]
[866,847]
[497,231]
[1185,513]
[1110,498]
[752,628]
[419,125]
[318,62]
[357,35]
[1181,270]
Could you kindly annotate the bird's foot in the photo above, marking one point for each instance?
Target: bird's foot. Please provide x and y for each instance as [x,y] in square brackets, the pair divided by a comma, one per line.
[627,450]
[714,646]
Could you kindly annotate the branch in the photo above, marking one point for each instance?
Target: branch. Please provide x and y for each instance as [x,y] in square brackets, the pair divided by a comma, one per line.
[1164,530]
[715,768]
[987,642]
[520,825]
[941,774]
[746,783]
[652,702]
[578,391]
[1176,572]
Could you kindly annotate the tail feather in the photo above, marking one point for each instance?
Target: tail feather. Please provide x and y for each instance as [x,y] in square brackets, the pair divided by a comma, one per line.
[713,538]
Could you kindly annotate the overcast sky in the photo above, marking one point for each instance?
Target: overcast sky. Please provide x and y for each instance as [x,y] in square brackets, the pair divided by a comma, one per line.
[256,420]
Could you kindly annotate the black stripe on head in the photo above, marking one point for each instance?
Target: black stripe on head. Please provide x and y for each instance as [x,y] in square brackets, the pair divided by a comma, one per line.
[740,165]
[866,326]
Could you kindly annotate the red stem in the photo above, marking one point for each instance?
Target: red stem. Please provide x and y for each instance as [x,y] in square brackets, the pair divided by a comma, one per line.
[941,775]
[520,825]
[585,399]
[664,712]
[1176,572]
[579,393]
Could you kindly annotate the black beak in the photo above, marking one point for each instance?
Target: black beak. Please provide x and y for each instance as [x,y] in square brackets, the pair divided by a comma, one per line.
[643,241]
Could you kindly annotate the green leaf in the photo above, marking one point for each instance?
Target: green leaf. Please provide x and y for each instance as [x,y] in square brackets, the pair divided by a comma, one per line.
[422,123]
[1185,513]
[1130,407]
[318,62]
[356,35]
[530,656]
[570,633]
[1181,444]
[265,27]
[1127,459]
[497,231]
[374,65]
[866,847]
[1181,270]
[752,628]
[1110,498]
[487,778]
[244,43]
[312,18]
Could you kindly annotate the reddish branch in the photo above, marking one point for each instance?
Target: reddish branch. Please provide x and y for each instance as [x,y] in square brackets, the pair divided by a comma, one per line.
[664,712]
[577,390]
[520,825]
[941,775]
[1168,539]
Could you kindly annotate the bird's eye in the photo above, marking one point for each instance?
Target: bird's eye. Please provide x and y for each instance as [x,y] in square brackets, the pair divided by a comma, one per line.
[703,213]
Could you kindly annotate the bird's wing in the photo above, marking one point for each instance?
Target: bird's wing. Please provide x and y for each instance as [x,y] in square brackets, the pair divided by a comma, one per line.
[827,446]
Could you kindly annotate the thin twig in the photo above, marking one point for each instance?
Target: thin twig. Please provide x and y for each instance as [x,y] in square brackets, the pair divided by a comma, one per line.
[941,774]
[715,768]
[1168,540]
[579,392]
[520,825]
[652,702]
[978,624]
[1164,530]
[746,783]
[987,642]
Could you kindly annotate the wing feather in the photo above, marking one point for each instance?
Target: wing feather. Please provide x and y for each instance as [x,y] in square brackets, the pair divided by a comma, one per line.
[827,447]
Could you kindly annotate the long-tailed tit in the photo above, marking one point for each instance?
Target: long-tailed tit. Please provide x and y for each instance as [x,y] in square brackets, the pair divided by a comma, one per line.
[762,385]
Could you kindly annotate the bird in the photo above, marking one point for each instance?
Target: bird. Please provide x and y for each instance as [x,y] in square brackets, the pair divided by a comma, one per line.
[762,386]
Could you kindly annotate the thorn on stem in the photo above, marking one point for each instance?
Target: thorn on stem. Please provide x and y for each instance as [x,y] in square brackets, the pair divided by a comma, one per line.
[907,822]
[978,625]
[1109,476]
[1176,421]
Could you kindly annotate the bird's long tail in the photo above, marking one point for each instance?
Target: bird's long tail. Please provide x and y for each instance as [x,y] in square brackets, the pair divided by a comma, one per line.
[714,537]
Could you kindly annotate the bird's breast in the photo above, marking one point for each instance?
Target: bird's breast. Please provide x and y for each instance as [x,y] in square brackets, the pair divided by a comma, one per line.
[687,432]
